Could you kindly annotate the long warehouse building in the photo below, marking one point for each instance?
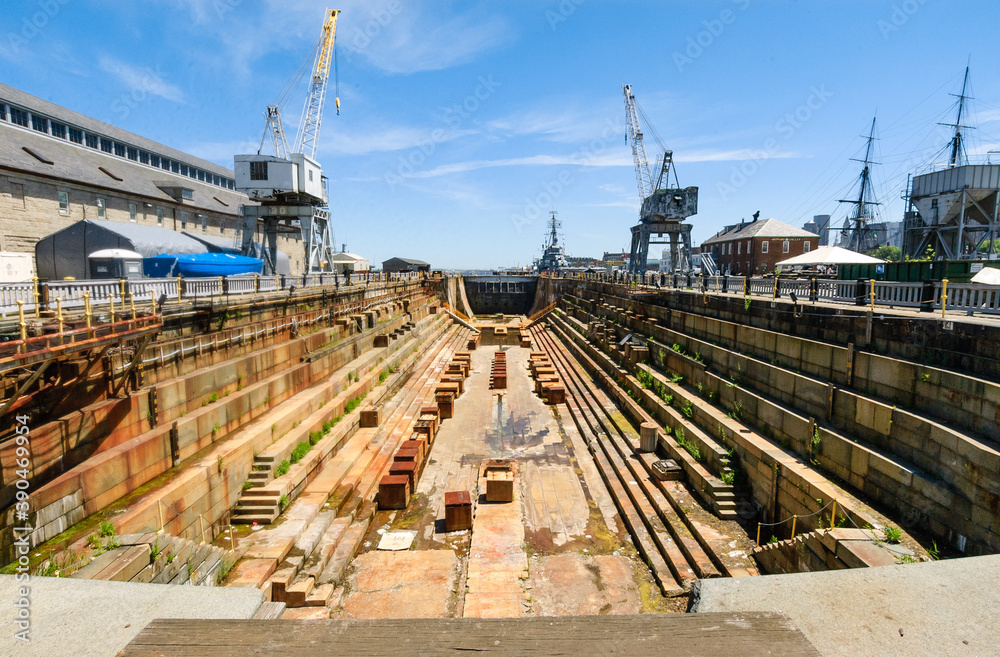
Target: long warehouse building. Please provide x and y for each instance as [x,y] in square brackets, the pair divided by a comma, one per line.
[58,167]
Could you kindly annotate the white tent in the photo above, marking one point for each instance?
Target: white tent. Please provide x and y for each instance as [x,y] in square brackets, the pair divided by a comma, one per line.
[829,255]
[987,276]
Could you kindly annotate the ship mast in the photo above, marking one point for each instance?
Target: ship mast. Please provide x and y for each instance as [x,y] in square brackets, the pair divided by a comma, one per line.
[858,223]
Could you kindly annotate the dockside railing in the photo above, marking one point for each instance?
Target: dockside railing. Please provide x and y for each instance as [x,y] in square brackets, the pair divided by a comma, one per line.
[928,296]
[34,296]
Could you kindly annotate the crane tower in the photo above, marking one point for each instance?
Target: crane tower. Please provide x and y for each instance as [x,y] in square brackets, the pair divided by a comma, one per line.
[664,208]
[289,184]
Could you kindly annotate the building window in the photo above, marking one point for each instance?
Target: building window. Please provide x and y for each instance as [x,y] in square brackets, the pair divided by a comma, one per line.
[310,175]
[204,224]
[63,203]
[784,246]
[165,164]
[806,245]
[143,157]
[101,209]
[184,169]
[132,153]
[58,130]
[39,123]
[258,171]
[232,184]
[184,220]
[131,213]
[17,195]
[106,145]
[201,175]
[19,116]
[119,149]
[154,161]
[159,216]
[187,193]
[91,141]
[763,246]
[739,248]
[215,180]
[175,166]
[76,136]
[3,112]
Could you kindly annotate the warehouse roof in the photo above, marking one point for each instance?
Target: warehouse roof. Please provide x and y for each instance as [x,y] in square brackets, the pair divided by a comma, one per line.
[25,150]
[760,228]
[44,107]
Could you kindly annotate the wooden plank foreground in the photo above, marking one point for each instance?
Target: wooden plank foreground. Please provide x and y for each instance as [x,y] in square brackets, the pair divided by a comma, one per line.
[709,634]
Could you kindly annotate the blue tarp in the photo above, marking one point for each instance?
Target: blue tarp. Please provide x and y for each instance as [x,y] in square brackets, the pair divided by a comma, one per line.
[200,265]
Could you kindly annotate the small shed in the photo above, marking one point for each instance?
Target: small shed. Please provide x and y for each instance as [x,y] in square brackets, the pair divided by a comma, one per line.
[394,265]
[349,262]
[115,263]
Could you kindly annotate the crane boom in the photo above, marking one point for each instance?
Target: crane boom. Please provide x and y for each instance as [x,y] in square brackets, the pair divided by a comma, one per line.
[642,175]
[307,140]
[276,130]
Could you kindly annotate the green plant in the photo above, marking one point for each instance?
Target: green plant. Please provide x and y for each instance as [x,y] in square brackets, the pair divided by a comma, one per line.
[746,304]
[645,378]
[113,543]
[170,558]
[727,477]
[932,552]
[676,378]
[190,570]
[282,468]
[215,429]
[684,443]
[772,540]
[676,347]
[221,463]
[282,502]
[697,357]
[814,445]
[905,558]
[300,450]
[106,528]
[688,409]
[247,485]
[94,541]
[712,396]
[925,377]
[155,550]
[892,534]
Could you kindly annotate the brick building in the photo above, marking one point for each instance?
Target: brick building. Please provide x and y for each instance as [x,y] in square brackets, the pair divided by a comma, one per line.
[58,167]
[753,248]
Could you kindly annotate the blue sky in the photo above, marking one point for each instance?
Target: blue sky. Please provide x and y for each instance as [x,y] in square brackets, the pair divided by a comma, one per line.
[464,123]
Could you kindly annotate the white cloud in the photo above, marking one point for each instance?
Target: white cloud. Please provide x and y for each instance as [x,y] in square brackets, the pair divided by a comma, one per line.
[387,139]
[144,79]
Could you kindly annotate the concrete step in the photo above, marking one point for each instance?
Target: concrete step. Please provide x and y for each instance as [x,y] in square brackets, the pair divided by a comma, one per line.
[260,519]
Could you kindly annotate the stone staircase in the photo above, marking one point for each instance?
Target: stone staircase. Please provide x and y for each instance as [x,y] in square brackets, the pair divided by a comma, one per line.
[257,506]
[153,558]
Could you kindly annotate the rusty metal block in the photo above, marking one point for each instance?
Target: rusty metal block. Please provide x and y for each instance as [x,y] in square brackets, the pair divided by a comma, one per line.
[457,510]
[394,492]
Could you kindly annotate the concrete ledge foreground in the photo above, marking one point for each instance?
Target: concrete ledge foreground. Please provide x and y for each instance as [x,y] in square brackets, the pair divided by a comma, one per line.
[933,609]
[98,619]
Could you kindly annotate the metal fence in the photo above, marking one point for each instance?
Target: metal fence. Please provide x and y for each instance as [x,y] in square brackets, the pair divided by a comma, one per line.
[968,297]
[74,294]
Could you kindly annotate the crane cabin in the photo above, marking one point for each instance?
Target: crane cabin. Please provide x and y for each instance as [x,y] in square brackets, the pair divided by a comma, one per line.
[270,178]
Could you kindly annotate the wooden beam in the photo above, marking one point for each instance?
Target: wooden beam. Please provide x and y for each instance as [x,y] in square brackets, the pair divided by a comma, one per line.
[24,386]
[131,365]
[708,634]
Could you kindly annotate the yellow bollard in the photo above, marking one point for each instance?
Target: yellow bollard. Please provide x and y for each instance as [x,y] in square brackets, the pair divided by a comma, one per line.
[38,307]
[86,307]
[833,515]
[871,294]
[111,306]
[944,295]
[774,294]
[758,533]
[179,288]
[131,302]
[59,318]
[121,287]
[23,325]
[220,286]
[795,519]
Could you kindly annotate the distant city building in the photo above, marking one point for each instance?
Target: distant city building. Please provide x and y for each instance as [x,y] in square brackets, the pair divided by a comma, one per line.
[614,260]
[582,261]
[821,223]
[393,265]
[60,167]
[752,248]
[894,233]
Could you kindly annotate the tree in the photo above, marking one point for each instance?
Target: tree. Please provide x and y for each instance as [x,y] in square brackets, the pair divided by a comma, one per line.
[987,247]
[887,253]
